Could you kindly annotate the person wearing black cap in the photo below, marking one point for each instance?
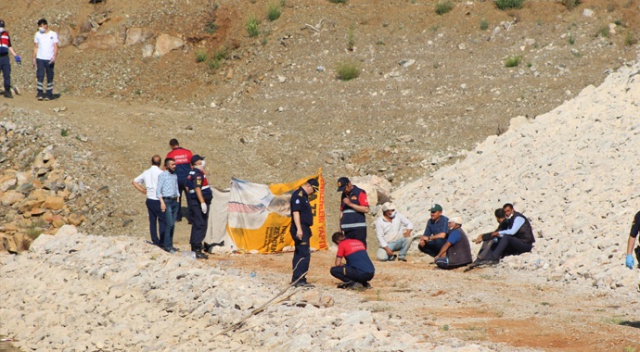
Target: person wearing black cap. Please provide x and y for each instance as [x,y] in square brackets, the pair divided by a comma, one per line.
[301,222]
[200,196]
[5,62]
[353,208]
[45,53]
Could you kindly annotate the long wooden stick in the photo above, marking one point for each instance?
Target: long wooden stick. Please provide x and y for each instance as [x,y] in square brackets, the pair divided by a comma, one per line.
[262,307]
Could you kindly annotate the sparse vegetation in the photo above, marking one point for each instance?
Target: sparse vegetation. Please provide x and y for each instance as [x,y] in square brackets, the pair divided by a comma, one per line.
[484,25]
[252,26]
[201,56]
[338,1]
[572,40]
[603,32]
[64,132]
[509,4]
[630,39]
[380,42]
[351,38]
[570,4]
[512,61]
[210,27]
[445,327]
[214,64]
[274,12]
[348,70]
[263,41]
[443,7]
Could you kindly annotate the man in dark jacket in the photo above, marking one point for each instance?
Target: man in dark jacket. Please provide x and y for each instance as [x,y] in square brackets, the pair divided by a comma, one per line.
[516,239]
[456,251]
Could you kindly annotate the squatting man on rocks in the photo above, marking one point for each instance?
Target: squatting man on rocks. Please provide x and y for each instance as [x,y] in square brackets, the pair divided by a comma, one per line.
[394,234]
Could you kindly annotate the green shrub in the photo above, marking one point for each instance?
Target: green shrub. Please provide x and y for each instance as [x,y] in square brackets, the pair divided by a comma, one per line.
[348,70]
[572,40]
[64,132]
[252,26]
[630,39]
[214,64]
[512,61]
[603,32]
[351,38]
[221,54]
[444,7]
[484,25]
[210,27]
[338,1]
[201,56]
[274,12]
[509,4]
[570,4]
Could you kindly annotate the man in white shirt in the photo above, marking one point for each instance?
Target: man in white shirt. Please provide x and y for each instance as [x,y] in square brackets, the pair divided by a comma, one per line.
[149,178]
[45,53]
[394,234]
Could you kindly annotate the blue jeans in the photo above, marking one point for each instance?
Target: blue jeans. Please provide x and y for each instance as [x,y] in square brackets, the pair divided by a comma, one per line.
[171,214]
[401,245]
[156,217]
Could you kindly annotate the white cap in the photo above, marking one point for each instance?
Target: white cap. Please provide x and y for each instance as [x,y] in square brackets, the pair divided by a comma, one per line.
[456,218]
[388,206]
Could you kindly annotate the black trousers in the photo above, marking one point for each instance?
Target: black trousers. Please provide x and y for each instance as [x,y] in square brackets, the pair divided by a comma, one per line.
[509,245]
[432,248]
[359,234]
[199,222]
[347,273]
[301,255]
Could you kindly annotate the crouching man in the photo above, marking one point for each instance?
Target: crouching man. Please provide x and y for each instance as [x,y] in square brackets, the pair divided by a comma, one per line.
[456,251]
[358,270]
[394,234]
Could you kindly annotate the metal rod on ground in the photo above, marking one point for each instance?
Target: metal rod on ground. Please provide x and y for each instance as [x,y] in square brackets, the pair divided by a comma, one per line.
[262,307]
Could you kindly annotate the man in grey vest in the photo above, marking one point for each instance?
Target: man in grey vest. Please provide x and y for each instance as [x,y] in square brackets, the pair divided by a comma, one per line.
[456,251]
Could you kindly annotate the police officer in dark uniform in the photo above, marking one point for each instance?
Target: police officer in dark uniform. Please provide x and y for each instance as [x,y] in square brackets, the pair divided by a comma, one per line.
[200,195]
[353,208]
[301,222]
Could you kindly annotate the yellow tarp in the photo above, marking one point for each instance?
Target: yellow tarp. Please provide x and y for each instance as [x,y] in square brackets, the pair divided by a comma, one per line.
[259,215]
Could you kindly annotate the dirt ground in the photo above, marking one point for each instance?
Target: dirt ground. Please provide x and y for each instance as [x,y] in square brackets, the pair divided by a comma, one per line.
[269,114]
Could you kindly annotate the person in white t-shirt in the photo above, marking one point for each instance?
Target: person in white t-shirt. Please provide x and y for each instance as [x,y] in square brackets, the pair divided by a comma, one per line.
[149,178]
[45,53]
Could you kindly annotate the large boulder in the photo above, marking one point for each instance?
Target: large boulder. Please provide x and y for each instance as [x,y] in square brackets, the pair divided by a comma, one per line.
[166,43]
[378,189]
[137,35]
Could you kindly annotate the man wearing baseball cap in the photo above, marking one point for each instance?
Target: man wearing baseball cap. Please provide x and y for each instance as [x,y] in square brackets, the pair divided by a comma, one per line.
[435,233]
[353,207]
[394,234]
[456,251]
[200,195]
[301,222]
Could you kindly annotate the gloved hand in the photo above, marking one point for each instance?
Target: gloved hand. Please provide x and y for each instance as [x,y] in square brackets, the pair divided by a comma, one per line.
[203,206]
[629,263]
[18,60]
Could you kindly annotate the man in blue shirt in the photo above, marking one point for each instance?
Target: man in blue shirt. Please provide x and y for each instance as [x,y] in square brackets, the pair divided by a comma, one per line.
[456,251]
[435,233]
[168,194]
